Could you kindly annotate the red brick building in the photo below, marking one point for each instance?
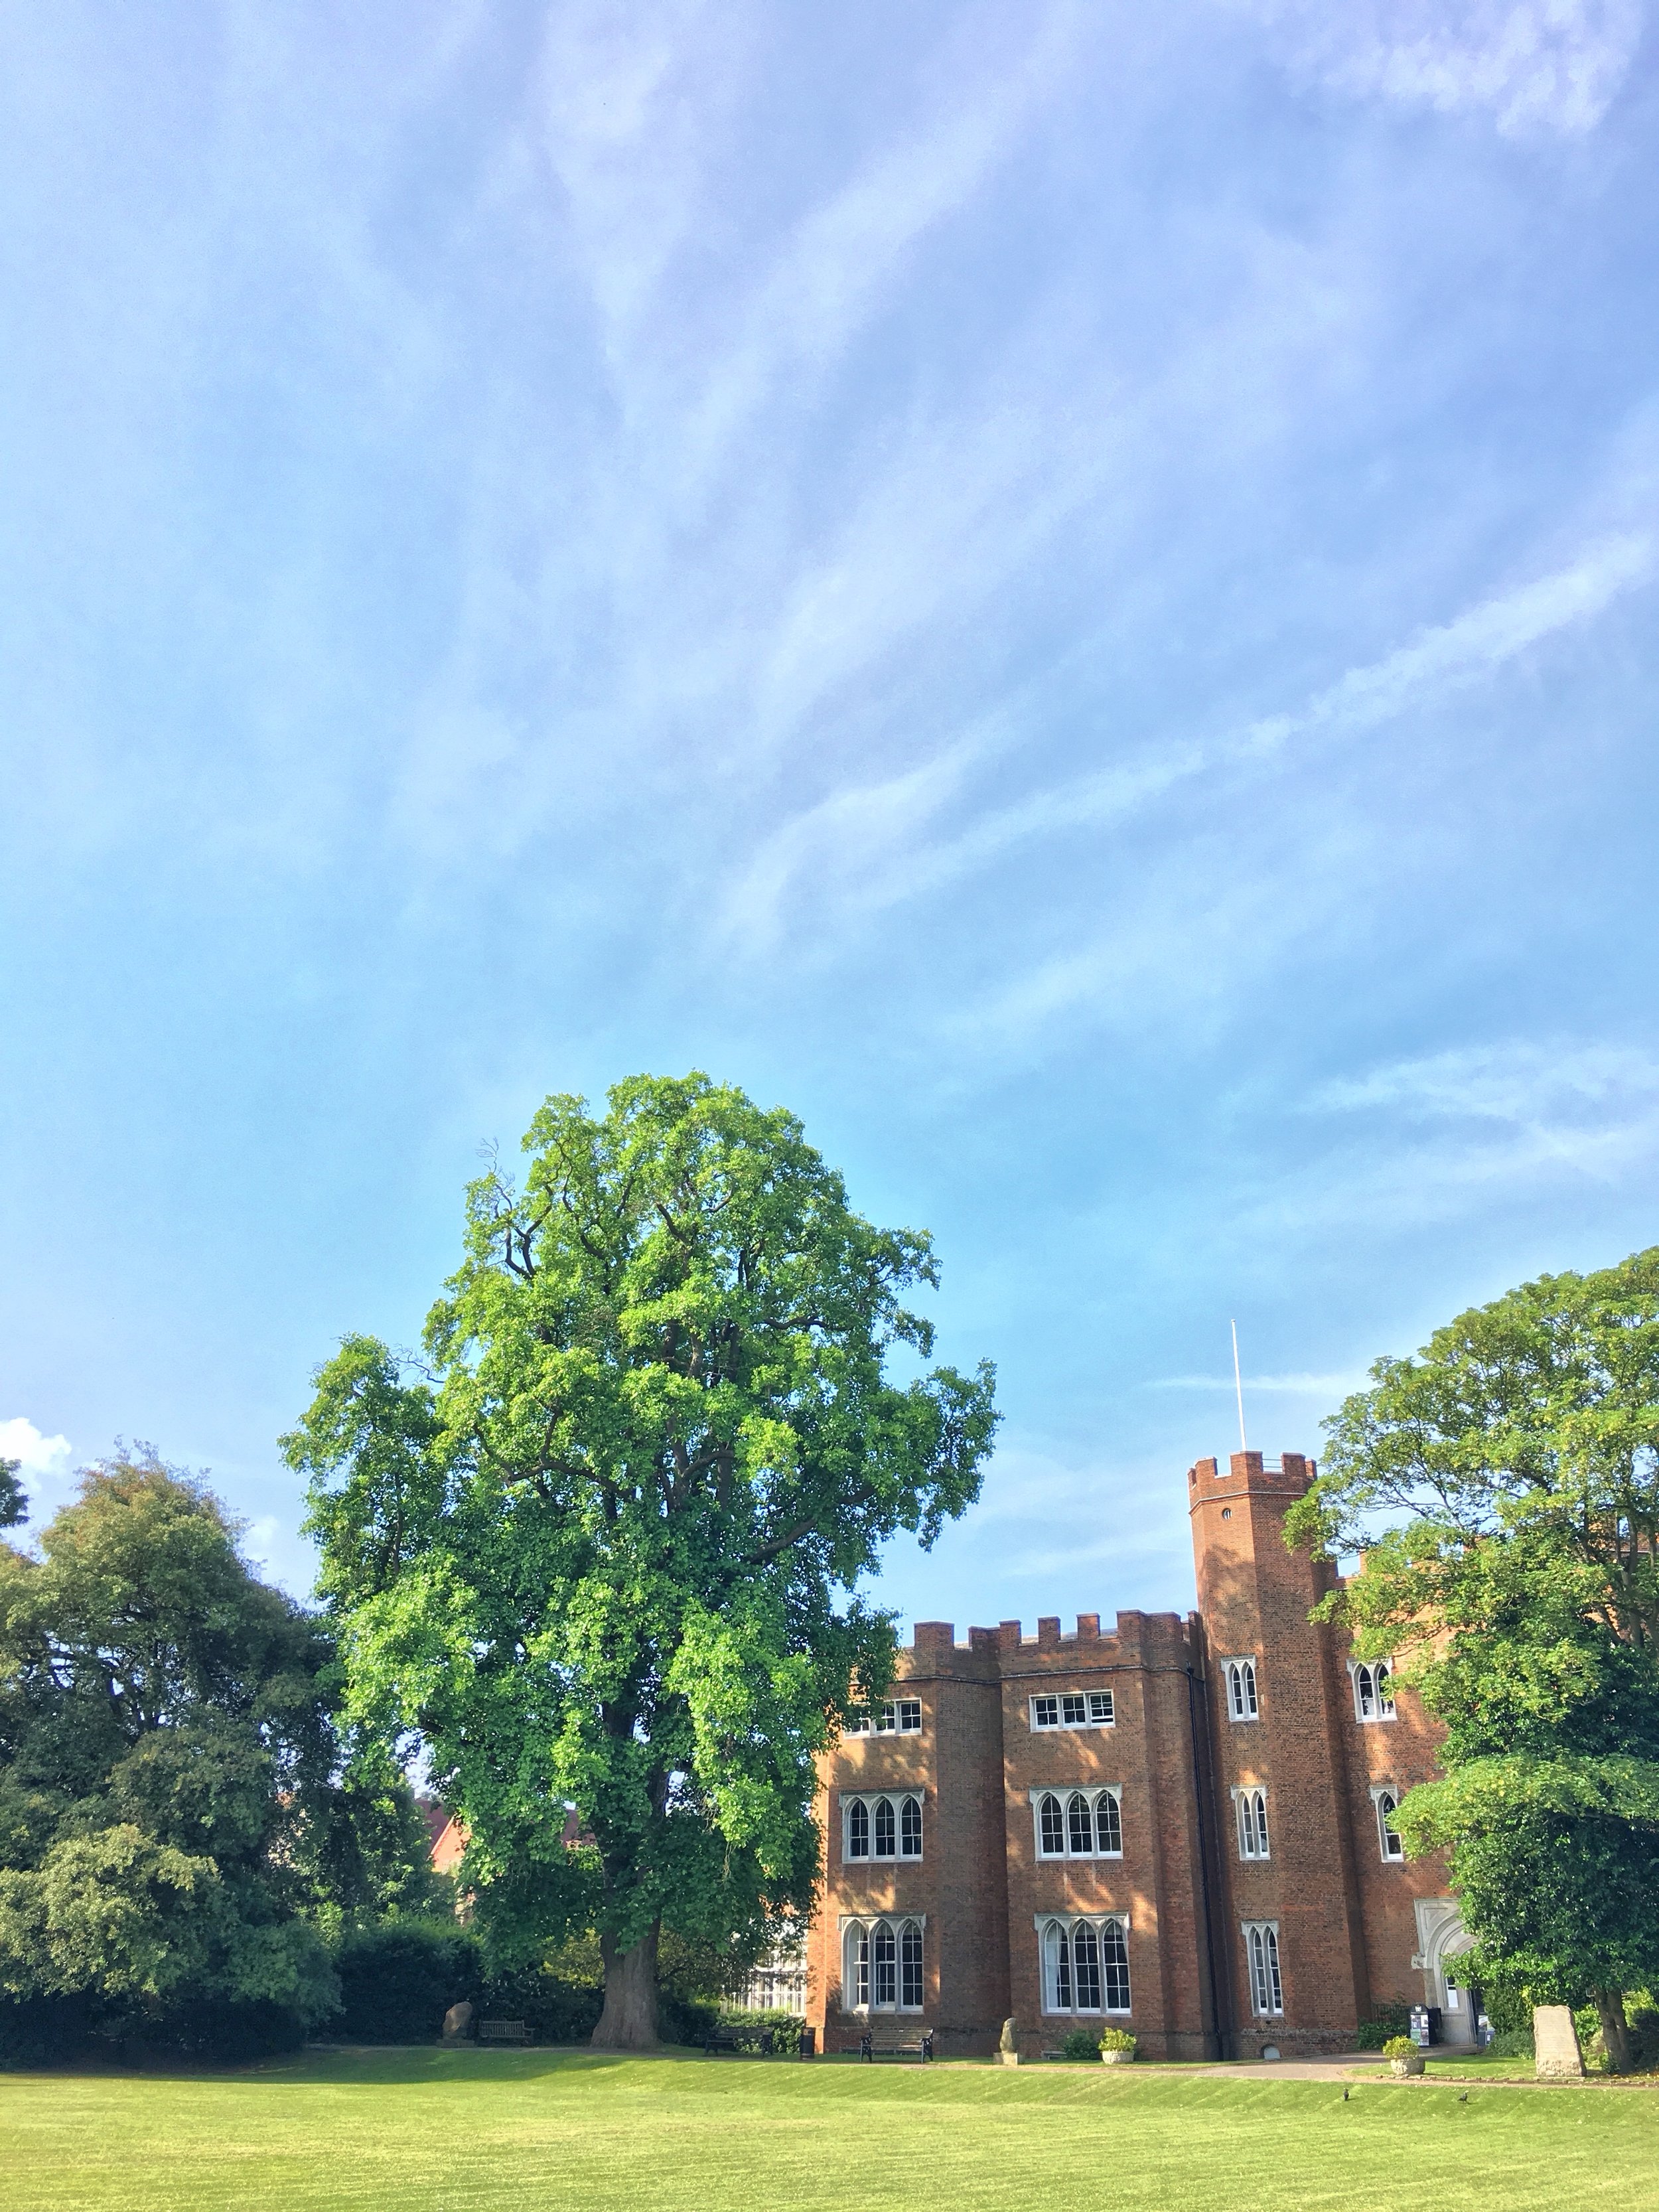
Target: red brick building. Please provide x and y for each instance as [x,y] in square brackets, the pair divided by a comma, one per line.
[1178,1827]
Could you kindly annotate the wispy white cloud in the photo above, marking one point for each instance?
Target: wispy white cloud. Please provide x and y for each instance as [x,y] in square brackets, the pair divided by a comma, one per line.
[1528,1082]
[1452,1133]
[1417,676]
[1470,648]
[1534,65]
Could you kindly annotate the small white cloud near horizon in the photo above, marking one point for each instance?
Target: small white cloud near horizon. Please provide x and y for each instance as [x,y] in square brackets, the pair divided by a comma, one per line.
[35,1454]
[1552,66]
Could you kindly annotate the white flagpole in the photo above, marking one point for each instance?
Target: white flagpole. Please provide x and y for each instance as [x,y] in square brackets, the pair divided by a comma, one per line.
[1238,1385]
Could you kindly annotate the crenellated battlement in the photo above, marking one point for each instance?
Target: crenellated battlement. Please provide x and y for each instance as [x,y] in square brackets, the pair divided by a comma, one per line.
[931,1637]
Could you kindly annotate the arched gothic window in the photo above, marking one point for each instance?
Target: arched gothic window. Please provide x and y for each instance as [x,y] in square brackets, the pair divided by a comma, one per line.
[881,1966]
[1108,1825]
[910,1966]
[1267,1991]
[856,1982]
[1387,1804]
[884,1995]
[1086,1824]
[1057,1967]
[1373,1689]
[1241,1689]
[1115,1959]
[1252,1823]
[1080,1826]
[910,1828]
[1085,1965]
[882,1827]
[1052,1842]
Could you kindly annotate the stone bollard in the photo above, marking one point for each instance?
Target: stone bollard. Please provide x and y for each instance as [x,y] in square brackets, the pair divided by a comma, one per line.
[1008,2048]
[457,2021]
[1556,2054]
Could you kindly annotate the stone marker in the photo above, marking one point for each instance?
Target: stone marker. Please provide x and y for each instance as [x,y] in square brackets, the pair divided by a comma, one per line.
[1555,2043]
[457,2021]
[1008,2048]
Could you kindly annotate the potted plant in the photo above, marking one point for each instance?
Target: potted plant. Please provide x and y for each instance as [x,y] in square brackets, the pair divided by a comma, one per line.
[1403,2055]
[1117,2047]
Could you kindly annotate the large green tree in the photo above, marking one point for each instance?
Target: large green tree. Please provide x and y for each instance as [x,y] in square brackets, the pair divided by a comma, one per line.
[605,1552]
[1504,1488]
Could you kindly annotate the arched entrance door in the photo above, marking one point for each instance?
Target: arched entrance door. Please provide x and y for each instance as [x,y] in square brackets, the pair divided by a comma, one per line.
[1442,1942]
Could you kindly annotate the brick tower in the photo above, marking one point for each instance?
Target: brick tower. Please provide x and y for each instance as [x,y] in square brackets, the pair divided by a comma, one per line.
[1278,1697]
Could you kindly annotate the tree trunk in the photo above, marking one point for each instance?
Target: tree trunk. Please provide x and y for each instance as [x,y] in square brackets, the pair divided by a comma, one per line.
[629,2022]
[1616,2029]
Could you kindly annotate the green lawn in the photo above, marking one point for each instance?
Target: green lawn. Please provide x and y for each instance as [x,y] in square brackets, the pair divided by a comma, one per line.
[438,2131]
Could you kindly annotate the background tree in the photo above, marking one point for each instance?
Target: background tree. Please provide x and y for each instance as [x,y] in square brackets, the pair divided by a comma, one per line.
[607,1554]
[1504,1487]
[160,1726]
[174,1827]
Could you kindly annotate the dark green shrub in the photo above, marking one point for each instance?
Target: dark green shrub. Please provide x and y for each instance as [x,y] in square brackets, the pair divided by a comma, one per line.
[1389,2019]
[42,2031]
[399,1977]
[47,2031]
[1511,2043]
[775,2035]
[1082,2044]
[554,2009]
[218,2027]
[686,2019]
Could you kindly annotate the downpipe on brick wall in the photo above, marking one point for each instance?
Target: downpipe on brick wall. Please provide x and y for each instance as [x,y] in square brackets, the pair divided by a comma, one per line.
[1192,1693]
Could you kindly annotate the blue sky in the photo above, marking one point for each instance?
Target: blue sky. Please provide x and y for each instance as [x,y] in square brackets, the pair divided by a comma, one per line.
[1067,591]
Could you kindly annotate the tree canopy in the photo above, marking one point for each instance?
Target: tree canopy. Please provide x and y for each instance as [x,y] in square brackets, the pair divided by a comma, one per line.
[604,1551]
[1504,1488]
[172,1828]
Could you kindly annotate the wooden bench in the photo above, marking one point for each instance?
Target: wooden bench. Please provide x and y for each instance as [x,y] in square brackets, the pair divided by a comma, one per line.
[923,2049]
[503,2031]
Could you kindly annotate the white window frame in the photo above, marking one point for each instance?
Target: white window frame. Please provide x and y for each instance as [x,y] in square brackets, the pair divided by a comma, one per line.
[1372,1681]
[1379,1791]
[1250,1819]
[896,1800]
[1063,1793]
[1241,1681]
[1065,1925]
[899,1716]
[859,1929]
[1263,1970]
[1099,1706]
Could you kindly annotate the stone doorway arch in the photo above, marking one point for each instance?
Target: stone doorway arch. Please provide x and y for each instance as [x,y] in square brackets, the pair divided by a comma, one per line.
[1442,1943]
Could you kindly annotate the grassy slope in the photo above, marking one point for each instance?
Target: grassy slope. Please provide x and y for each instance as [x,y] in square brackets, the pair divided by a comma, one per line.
[450,2131]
